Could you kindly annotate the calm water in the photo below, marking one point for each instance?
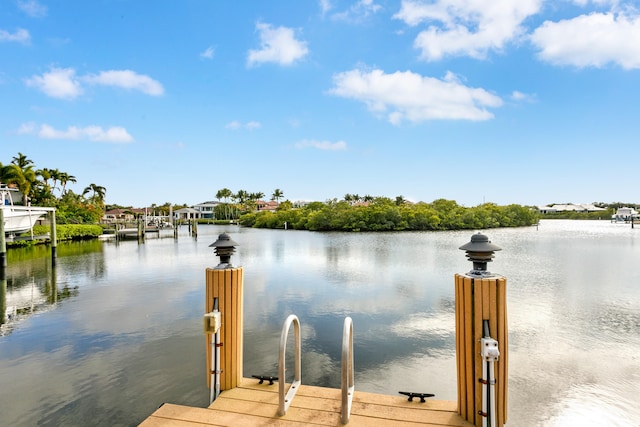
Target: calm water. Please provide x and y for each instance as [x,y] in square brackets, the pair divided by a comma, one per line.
[115,329]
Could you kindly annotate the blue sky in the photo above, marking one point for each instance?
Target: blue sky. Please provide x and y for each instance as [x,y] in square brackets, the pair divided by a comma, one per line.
[508,101]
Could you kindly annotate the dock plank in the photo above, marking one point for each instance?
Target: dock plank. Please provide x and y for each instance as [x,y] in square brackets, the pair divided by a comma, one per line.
[252,404]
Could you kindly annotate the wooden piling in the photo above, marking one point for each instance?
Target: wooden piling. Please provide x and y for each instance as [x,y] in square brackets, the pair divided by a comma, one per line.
[54,237]
[479,299]
[3,243]
[3,294]
[226,284]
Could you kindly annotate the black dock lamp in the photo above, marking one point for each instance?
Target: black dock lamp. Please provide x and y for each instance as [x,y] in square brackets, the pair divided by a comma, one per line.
[480,251]
[224,247]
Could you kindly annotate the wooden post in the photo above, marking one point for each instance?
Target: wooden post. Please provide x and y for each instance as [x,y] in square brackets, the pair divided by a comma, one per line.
[141,226]
[226,284]
[54,237]
[477,299]
[3,294]
[3,243]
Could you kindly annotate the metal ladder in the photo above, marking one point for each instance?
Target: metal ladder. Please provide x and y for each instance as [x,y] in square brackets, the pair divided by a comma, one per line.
[347,378]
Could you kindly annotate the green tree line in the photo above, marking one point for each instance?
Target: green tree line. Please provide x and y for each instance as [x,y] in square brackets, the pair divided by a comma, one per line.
[233,205]
[385,214]
[48,187]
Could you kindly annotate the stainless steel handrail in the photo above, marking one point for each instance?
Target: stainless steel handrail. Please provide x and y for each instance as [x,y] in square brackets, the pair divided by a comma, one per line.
[284,400]
[348,386]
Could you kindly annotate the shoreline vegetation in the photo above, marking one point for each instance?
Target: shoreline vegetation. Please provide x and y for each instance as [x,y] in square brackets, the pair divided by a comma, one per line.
[385,214]
[79,216]
[382,214]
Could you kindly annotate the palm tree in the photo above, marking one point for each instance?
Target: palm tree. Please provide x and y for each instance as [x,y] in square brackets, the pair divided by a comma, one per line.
[43,191]
[21,173]
[225,194]
[55,177]
[45,174]
[21,161]
[66,178]
[3,173]
[241,198]
[98,192]
[277,195]
[253,199]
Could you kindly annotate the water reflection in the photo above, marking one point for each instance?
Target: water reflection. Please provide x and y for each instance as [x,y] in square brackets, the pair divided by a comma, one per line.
[30,281]
[118,328]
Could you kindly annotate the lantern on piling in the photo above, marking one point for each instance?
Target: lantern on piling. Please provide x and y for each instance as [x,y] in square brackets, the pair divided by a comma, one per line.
[225,283]
[480,251]
[224,247]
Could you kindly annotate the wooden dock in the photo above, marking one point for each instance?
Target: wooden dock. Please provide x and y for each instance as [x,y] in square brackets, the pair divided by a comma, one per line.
[244,402]
[252,404]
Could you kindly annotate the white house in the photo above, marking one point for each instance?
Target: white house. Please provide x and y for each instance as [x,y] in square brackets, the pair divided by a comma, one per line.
[584,207]
[186,213]
[206,209]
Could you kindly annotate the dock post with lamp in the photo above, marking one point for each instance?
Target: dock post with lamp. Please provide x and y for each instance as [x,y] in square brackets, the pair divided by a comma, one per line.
[224,286]
[481,338]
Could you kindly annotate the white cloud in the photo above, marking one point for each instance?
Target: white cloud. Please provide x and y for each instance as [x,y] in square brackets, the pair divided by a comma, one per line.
[57,83]
[235,125]
[32,8]
[114,134]
[277,45]
[322,145]
[126,79]
[26,128]
[597,2]
[593,40]
[65,84]
[466,27]
[407,96]
[325,6]
[208,53]
[520,96]
[21,36]
[358,11]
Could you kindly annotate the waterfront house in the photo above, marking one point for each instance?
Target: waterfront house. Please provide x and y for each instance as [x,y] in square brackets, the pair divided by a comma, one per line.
[206,209]
[570,207]
[271,206]
[187,213]
[117,215]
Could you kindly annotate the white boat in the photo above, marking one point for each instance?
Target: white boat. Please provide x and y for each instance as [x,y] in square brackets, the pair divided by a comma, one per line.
[18,219]
[624,215]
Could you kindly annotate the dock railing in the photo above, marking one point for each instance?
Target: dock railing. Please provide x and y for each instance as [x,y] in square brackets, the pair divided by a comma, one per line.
[285,398]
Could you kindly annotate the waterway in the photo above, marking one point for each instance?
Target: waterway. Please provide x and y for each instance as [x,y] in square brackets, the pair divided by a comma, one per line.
[115,329]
